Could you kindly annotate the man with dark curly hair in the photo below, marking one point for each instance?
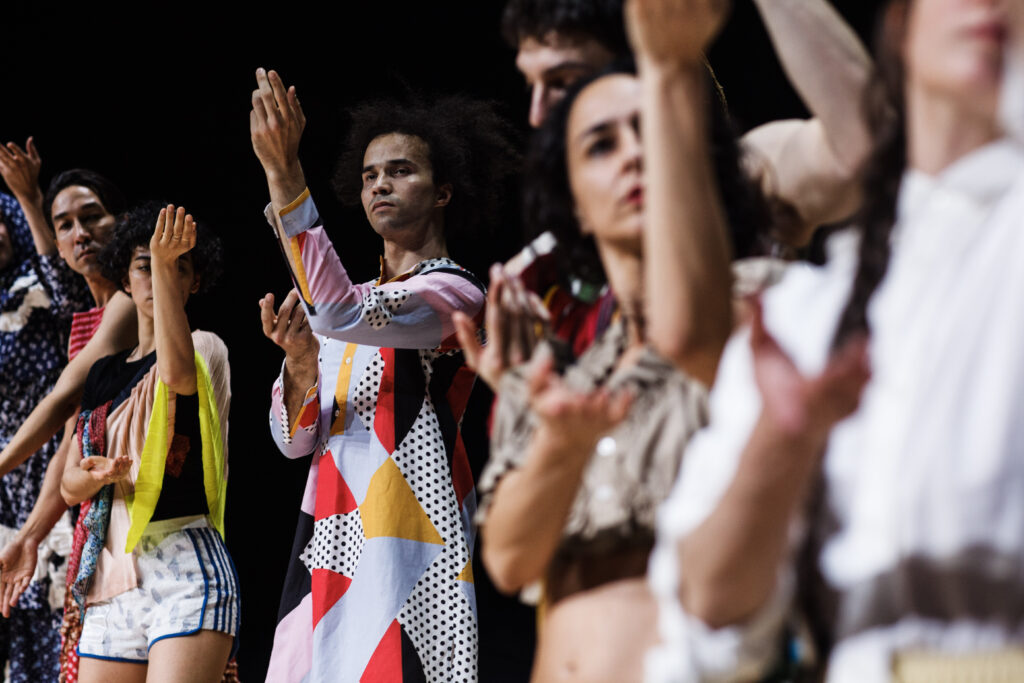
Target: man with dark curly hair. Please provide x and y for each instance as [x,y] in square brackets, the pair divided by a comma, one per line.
[381,583]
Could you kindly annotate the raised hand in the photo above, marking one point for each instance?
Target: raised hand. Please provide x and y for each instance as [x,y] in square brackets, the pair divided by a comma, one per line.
[276,123]
[674,31]
[17,565]
[173,235]
[575,419]
[513,317]
[807,406]
[20,170]
[289,328]
[106,470]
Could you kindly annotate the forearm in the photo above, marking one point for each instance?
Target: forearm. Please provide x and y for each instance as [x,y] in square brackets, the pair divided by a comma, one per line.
[49,506]
[42,236]
[175,354]
[299,375]
[527,516]
[687,252]
[40,426]
[827,65]
[729,564]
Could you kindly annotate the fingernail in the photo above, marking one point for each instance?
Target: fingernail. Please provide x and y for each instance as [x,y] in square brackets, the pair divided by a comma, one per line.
[260,71]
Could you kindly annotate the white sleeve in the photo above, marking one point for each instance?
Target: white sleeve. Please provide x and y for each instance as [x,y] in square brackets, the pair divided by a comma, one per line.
[689,650]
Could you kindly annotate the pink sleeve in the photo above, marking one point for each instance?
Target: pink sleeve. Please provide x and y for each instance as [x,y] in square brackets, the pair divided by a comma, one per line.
[414,312]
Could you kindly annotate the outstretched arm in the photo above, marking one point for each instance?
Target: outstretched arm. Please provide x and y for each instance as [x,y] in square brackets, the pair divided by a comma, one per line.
[531,504]
[687,253]
[173,237]
[812,166]
[19,558]
[117,331]
[20,170]
[730,562]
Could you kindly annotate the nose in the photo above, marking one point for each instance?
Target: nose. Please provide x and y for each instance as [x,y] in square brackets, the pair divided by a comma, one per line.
[632,150]
[82,234]
[538,104]
[381,185]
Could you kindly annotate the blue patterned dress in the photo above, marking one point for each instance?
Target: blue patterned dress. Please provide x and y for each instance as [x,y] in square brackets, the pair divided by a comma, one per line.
[38,295]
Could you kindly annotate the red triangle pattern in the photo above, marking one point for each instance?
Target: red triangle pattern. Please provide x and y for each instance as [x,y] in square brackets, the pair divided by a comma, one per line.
[384,415]
[333,496]
[385,665]
[328,587]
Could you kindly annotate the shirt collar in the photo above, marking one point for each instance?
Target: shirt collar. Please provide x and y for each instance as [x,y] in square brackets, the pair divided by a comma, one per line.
[983,175]
[414,270]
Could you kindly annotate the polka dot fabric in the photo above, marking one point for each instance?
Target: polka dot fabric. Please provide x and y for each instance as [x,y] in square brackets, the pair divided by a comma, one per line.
[388,521]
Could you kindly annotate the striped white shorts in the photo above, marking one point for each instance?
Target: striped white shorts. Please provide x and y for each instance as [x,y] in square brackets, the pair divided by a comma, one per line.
[187,583]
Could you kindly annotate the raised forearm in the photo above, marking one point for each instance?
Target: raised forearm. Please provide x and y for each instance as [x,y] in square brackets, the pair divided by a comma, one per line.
[42,236]
[687,253]
[529,510]
[175,354]
[729,564]
[827,65]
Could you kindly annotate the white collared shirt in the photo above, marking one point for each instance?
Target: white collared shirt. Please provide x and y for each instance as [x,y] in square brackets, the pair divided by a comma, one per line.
[926,480]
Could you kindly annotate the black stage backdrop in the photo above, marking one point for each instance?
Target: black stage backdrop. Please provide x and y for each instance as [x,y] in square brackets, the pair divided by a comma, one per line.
[158,100]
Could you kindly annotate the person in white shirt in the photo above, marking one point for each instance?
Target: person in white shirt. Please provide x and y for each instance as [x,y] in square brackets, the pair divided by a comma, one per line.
[864,450]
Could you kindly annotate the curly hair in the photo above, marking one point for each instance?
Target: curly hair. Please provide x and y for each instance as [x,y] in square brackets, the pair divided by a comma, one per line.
[111,198]
[469,146]
[134,228]
[548,204]
[599,20]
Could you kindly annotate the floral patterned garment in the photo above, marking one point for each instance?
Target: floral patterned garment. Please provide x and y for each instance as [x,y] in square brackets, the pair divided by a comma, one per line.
[38,295]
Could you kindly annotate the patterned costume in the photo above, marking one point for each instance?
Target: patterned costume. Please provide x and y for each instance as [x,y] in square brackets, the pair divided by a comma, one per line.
[380,587]
[37,297]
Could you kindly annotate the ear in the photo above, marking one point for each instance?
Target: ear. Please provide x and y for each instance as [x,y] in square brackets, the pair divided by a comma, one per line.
[444,195]
[126,285]
[195,284]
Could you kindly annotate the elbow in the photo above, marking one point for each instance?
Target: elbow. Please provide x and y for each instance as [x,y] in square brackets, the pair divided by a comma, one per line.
[507,569]
[69,498]
[718,605]
[697,357]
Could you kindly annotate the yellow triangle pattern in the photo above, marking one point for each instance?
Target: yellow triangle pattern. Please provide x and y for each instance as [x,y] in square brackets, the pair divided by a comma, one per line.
[391,509]
[467,573]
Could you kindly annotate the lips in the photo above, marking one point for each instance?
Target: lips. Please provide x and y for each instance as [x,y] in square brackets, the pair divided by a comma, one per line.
[635,196]
[380,205]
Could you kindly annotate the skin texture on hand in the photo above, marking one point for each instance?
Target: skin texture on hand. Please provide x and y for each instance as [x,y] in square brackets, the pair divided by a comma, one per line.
[17,565]
[674,31]
[20,170]
[289,329]
[515,321]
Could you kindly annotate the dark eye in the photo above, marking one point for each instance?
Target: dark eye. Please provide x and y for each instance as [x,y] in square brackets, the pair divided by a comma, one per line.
[401,170]
[600,146]
[64,226]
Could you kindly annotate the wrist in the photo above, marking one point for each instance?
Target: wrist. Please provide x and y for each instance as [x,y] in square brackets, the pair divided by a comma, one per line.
[656,69]
[561,443]
[285,172]
[33,197]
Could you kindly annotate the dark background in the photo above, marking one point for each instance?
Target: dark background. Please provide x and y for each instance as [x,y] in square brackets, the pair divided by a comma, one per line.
[160,105]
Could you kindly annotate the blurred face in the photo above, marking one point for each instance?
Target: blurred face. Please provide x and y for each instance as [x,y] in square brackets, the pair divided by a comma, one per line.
[605,161]
[550,66]
[6,248]
[398,192]
[954,49]
[82,226]
[139,281]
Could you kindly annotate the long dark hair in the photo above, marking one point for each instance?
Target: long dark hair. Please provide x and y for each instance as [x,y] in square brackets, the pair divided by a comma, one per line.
[548,203]
[885,113]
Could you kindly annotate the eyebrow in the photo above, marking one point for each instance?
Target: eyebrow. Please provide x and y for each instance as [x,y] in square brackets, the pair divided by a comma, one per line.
[88,205]
[389,162]
[597,128]
[567,66]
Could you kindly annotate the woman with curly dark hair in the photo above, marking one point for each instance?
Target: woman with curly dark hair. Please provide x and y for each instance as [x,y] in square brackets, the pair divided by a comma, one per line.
[155,582]
[887,499]
[581,461]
